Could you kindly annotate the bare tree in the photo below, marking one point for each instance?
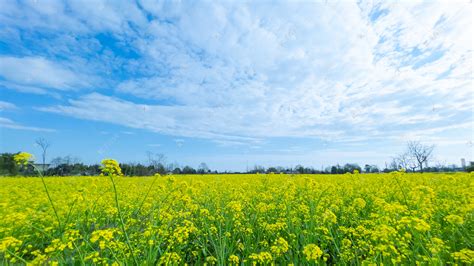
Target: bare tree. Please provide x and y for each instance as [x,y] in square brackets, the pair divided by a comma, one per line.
[412,164]
[441,164]
[156,159]
[44,145]
[420,153]
[203,168]
[394,165]
[403,161]
[172,166]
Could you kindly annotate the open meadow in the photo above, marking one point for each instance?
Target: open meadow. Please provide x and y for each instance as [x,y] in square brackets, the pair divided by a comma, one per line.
[394,218]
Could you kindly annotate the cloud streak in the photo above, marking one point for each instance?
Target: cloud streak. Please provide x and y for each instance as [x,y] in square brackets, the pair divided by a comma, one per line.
[38,75]
[8,123]
[7,106]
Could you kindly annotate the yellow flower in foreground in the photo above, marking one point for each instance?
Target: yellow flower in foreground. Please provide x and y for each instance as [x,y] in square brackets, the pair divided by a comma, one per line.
[233,259]
[261,258]
[9,241]
[22,158]
[329,217]
[110,167]
[464,256]
[280,247]
[211,260]
[262,220]
[454,219]
[312,252]
[359,203]
[171,258]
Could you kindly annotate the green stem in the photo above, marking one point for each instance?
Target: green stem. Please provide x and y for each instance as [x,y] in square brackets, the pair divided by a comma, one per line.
[122,224]
[146,195]
[70,211]
[403,193]
[80,253]
[49,196]
[16,256]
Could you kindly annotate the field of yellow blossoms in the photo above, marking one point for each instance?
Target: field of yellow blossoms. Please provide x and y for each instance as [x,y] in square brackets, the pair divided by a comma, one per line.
[260,219]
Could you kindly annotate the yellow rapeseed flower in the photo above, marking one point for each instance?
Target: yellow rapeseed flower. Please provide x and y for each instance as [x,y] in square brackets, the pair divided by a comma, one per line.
[110,167]
[233,259]
[454,219]
[280,247]
[22,158]
[312,252]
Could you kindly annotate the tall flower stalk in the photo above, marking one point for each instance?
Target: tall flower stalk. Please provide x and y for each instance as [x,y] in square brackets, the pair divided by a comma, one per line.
[111,168]
[25,159]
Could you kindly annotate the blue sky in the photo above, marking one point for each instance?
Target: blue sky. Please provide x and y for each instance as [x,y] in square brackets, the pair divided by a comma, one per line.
[237,83]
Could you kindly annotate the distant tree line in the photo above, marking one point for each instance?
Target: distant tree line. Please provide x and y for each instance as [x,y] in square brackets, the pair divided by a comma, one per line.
[300,169]
[414,159]
[350,167]
[70,166]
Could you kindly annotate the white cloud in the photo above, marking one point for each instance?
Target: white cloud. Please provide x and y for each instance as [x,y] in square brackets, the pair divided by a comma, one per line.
[72,16]
[34,74]
[220,123]
[7,106]
[323,65]
[8,123]
[241,72]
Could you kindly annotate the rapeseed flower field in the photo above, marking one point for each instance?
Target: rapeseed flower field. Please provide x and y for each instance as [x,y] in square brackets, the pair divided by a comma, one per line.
[259,219]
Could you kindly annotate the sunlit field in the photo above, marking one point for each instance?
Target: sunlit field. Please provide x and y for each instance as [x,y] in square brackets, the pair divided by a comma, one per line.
[261,219]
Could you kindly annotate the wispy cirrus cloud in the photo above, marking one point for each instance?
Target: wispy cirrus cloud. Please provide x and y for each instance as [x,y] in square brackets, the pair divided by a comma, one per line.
[220,123]
[7,106]
[38,73]
[8,123]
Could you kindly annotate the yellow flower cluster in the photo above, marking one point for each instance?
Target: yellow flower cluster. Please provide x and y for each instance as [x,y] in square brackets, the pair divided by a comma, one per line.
[312,252]
[110,167]
[261,258]
[280,247]
[276,219]
[234,260]
[454,219]
[22,158]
